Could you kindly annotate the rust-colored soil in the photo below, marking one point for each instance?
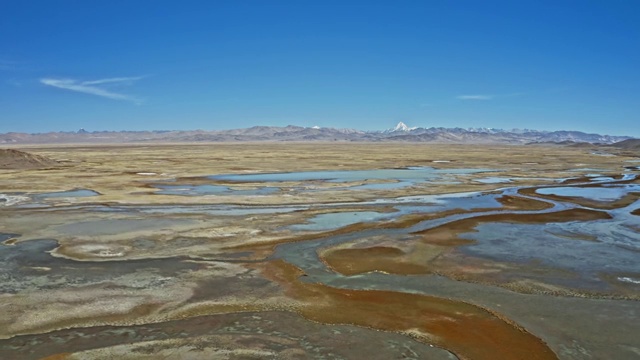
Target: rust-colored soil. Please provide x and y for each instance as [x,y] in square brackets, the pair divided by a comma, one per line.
[466,330]
[452,229]
[380,258]
[61,356]
[517,202]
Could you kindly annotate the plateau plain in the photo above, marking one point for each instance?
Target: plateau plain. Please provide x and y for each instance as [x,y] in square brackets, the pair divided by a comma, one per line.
[296,250]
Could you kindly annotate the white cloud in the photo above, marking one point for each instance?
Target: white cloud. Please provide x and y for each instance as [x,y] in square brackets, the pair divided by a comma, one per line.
[127,80]
[475,97]
[93,87]
[489,96]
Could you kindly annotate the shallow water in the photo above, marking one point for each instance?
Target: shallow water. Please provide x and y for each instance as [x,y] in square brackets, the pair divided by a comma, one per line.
[592,170]
[28,265]
[382,186]
[358,180]
[412,174]
[199,190]
[494,180]
[105,227]
[588,249]
[337,220]
[561,245]
[304,254]
[403,205]
[601,153]
[437,203]
[65,194]
[7,236]
[219,210]
[550,249]
[558,245]
[600,193]
[466,200]
[600,178]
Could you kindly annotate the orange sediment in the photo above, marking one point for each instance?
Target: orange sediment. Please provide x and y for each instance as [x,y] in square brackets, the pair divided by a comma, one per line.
[520,203]
[381,258]
[468,331]
[454,228]
[61,356]
[434,242]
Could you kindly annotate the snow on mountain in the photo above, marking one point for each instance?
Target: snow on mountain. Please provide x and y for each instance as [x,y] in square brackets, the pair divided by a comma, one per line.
[401,127]
[401,132]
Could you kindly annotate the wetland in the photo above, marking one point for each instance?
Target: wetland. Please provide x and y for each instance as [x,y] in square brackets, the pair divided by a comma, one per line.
[318,250]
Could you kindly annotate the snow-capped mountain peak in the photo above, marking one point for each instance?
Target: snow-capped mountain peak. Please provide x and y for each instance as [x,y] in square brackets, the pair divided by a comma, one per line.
[401,127]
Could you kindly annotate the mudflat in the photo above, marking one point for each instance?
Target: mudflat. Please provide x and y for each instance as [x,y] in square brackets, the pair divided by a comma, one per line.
[318,250]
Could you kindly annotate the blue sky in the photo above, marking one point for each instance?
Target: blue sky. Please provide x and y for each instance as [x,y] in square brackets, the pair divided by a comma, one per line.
[134,65]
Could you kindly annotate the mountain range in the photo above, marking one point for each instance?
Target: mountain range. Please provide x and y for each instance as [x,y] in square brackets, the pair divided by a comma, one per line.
[400,133]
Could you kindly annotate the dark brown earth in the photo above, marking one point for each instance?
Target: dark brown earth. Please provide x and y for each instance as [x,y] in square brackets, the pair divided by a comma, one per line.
[248,335]
[16,159]
[629,144]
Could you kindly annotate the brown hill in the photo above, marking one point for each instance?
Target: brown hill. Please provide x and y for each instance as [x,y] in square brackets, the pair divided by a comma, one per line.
[14,159]
[629,144]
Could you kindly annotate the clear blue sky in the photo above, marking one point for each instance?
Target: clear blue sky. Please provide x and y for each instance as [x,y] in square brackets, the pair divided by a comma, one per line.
[133,65]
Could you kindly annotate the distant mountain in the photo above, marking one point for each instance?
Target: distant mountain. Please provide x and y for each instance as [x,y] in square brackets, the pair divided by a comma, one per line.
[401,127]
[629,144]
[490,135]
[400,133]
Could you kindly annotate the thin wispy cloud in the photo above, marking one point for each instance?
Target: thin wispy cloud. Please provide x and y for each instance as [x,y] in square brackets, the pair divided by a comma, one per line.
[475,97]
[121,80]
[95,87]
[488,96]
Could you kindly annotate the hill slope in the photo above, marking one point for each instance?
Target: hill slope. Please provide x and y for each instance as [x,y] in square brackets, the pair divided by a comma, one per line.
[629,144]
[15,159]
